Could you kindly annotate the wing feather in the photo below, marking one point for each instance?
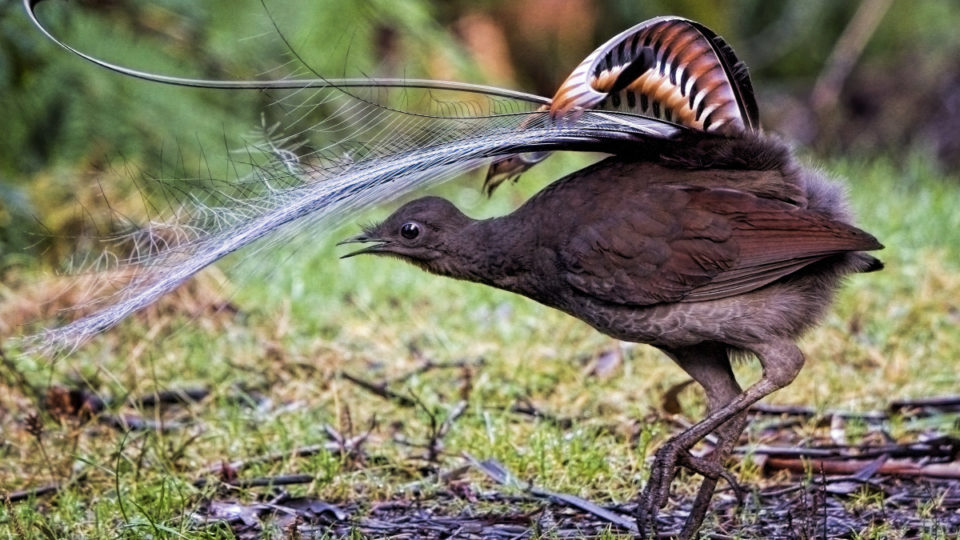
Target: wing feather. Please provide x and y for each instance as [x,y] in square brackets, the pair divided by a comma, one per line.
[688,243]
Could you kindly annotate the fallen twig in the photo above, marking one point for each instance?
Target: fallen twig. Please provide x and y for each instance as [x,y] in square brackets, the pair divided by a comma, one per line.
[430,365]
[912,408]
[438,430]
[932,405]
[944,448]
[78,475]
[810,412]
[380,390]
[441,478]
[351,445]
[26,494]
[892,467]
[496,471]
[525,407]
[176,396]
[452,417]
[130,422]
[82,404]
[265,481]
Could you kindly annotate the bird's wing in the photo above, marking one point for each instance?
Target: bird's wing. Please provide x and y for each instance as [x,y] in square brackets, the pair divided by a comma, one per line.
[682,243]
[668,68]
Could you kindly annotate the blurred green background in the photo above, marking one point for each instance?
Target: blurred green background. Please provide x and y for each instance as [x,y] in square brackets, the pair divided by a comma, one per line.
[69,124]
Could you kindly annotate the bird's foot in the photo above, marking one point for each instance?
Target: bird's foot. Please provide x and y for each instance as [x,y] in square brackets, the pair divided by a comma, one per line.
[710,468]
[657,491]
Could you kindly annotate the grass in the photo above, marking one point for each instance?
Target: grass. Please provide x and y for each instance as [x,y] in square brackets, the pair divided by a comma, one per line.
[274,370]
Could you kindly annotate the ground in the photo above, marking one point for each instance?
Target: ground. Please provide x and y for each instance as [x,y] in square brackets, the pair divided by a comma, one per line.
[385,400]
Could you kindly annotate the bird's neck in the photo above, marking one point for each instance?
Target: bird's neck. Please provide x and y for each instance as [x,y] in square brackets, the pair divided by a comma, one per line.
[494,252]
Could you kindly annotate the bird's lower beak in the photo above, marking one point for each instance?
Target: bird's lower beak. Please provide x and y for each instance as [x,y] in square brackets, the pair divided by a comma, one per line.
[359,239]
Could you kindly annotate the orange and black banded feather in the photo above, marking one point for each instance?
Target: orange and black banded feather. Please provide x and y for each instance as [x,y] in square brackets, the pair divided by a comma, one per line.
[669,68]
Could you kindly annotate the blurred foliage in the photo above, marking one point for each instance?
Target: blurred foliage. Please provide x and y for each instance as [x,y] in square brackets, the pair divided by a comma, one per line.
[71,127]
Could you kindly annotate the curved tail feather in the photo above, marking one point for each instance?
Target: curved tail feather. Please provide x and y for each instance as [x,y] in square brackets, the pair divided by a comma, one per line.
[668,68]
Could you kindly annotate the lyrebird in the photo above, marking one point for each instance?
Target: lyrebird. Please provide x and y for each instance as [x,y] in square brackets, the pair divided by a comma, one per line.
[701,235]
[706,246]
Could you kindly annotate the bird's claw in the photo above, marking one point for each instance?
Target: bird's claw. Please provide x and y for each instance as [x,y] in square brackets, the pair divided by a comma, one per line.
[656,493]
[713,469]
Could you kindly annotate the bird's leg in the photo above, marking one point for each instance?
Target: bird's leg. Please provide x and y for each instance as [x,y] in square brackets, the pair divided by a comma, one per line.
[781,361]
[709,365]
[727,436]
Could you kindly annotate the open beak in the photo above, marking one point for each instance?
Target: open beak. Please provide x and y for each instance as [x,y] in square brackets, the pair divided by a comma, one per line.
[363,238]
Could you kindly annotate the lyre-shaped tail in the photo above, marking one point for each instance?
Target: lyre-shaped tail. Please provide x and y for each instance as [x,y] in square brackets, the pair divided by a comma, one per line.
[668,68]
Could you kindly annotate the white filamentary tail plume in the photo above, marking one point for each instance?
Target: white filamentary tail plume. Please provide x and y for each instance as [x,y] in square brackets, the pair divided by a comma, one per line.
[399,152]
[343,149]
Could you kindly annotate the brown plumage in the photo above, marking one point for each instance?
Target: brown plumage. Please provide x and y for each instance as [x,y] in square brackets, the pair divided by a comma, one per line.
[703,248]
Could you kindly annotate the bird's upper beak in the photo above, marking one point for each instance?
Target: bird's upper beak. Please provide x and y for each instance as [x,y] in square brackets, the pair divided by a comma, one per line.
[363,238]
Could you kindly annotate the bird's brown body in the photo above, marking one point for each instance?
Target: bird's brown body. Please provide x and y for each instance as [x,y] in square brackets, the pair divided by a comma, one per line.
[705,243]
[666,255]
[701,248]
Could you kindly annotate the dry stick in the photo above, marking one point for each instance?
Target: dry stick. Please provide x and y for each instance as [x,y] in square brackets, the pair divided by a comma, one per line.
[455,414]
[129,422]
[82,404]
[940,404]
[176,396]
[441,431]
[914,408]
[380,390]
[430,365]
[809,412]
[281,480]
[861,476]
[525,407]
[46,489]
[438,431]
[26,494]
[943,448]
[441,478]
[892,467]
[496,471]
[351,445]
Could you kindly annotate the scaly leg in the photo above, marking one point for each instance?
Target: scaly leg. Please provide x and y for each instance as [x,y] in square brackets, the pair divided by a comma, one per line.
[709,365]
[781,361]
[728,434]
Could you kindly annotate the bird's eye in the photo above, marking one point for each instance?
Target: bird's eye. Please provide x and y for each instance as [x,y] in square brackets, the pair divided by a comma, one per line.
[410,230]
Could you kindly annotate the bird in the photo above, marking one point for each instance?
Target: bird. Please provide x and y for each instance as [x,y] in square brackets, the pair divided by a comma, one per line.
[709,246]
[700,235]
[698,264]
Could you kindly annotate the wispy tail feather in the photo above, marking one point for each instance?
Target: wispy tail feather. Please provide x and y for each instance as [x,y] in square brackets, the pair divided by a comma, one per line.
[314,192]
[348,144]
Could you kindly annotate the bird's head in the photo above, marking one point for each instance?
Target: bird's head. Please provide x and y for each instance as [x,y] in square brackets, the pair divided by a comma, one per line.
[420,232]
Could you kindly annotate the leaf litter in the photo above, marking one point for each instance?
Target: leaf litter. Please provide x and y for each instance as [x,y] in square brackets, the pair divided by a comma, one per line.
[811,486]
